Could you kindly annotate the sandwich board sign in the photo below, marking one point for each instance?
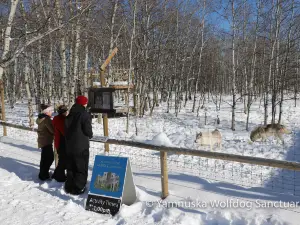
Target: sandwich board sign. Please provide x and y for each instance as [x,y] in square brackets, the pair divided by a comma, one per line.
[111,185]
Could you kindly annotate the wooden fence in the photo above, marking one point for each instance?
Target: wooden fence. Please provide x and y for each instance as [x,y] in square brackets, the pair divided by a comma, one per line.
[295,166]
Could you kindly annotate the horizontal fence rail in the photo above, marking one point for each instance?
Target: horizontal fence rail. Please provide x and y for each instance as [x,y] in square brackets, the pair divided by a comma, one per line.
[185,151]
[213,155]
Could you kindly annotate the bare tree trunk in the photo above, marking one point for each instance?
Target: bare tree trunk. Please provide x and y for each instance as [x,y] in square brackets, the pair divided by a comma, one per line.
[266,103]
[195,94]
[178,98]
[142,96]
[130,62]
[75,76]
[7,39]
[85,77]
[202,97]
[277,70]
[30,107]
[111,43]
[63,56]
[253,67]
[34,83]
[297,81]
[176,60]
[188,89]
[243,92]
[283,74]
[50,94]
[40,74]
[233,89]
[13,83]
[200,58]
[70,53]
[170,96]
[50,74]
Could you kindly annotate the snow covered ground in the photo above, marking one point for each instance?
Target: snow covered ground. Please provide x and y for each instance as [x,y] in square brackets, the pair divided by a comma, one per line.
[241,189]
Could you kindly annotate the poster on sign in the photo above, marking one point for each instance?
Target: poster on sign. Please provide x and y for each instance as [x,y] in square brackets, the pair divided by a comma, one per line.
[108,176]
[101,100]
[111,185]
[106,96]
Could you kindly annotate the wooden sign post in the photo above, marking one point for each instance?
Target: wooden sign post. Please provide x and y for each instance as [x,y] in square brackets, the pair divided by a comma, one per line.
[102,80]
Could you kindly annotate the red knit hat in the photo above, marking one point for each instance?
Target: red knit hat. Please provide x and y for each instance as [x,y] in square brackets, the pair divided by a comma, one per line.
[81,100]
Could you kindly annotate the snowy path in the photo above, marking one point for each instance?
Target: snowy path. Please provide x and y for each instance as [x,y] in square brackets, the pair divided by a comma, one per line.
[26,200]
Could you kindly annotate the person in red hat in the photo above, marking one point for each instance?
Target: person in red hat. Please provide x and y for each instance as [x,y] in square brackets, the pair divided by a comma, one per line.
[78,131]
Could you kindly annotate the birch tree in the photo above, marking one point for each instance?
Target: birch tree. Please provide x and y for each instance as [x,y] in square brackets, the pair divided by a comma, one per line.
[130,58]
[62,54]
[111,42]
[273,45]
[253,64]
[75,76]
[7,39]
[200,56]
[286,61]
[233,87]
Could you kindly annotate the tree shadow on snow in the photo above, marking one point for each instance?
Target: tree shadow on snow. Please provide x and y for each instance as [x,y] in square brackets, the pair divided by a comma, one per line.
[223,188]
[24,170]
[287,181]
[27,171]
[18,144]
[56,190]
[149,191]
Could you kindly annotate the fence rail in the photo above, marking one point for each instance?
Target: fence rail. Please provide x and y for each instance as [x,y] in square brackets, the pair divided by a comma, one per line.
[164,150]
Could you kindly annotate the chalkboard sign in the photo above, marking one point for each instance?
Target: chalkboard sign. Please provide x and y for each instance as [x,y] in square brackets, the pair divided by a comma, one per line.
[103,205]
[101,100]
[111,185]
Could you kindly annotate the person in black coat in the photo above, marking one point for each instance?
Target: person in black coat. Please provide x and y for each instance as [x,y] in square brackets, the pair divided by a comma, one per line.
[78,131]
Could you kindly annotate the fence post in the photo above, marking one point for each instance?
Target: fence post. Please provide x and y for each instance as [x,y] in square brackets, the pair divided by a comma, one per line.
[164,174]
[104,115]
[3,107]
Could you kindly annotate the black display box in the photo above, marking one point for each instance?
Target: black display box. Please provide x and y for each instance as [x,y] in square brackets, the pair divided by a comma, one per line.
[101,100]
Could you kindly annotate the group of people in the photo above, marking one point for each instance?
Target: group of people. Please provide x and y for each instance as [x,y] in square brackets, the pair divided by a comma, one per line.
[70,130]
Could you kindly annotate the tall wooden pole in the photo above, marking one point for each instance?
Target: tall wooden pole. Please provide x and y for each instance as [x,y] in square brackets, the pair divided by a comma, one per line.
[102,80]
[3,107]
[104,115]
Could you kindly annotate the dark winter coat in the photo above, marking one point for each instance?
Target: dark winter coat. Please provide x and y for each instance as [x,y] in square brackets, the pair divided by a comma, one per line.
[45,130]
[78,130]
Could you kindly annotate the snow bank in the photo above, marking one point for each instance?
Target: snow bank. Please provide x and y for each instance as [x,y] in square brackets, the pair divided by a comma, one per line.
[160,139]
[96,84]
[120,83]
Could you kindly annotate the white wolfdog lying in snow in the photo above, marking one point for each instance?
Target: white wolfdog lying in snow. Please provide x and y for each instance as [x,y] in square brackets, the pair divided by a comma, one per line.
[209,138]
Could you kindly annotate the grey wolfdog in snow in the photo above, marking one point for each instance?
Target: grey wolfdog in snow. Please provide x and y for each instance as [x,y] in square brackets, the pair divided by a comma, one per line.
[262,132]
